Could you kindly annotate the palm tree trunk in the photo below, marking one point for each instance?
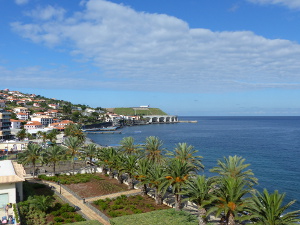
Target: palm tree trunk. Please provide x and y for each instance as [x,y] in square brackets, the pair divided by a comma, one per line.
[111,174]
[104,170]
[144,190]
[202,216]
[33,169]
[54,169]
[73,166]
[178,205]
[230,218]
[130,183]
[120,178]
[158,197]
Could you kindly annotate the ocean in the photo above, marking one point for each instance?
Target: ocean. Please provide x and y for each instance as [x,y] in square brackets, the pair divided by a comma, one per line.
[270,144]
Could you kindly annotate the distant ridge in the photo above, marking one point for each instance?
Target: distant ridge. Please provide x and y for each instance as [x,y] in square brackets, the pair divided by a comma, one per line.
[141,111]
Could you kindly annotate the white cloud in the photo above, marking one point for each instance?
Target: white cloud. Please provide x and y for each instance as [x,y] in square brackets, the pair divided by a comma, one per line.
[292,4]
[142,51]
[21,2]
[47,13]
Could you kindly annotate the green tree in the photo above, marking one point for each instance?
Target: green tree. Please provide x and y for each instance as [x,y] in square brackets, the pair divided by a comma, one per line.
[153,149]
[130,167]
[229,198]
[234,166]
[156,180]
[54,154]
[128,146]
[268,209]
[41,202]
[198,191]
[21,134]
[73,145]
[186,153]
[142,173]
[90,152]
[177,175]
[74,130]
[31,155]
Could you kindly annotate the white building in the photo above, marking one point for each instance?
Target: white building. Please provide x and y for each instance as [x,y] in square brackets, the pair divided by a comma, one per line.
[22,116]
[11,178]
[15,124]
[44,120]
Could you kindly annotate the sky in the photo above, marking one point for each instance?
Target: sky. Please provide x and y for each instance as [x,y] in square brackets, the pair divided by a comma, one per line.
[189,58]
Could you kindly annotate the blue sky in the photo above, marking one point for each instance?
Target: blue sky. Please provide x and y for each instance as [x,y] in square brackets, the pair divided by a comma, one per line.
[192,57]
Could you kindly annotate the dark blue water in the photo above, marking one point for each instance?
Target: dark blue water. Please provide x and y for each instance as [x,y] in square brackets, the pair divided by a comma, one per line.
[270,144]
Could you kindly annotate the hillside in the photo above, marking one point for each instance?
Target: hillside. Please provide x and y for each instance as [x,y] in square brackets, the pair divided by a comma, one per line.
[137,111]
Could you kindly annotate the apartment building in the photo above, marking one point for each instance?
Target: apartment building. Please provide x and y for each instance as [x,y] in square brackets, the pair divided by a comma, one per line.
[4,124]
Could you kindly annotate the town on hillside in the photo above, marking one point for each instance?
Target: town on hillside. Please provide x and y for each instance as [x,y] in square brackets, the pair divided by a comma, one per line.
[25,116]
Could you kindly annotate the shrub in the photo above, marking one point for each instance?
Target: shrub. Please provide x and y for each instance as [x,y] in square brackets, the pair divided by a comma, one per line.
[78,218]
[66,215]
[68,221]
[58,219]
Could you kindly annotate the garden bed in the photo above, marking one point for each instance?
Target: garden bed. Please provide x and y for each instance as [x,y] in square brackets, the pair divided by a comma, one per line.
[97,187]
[57,212]
[124,205]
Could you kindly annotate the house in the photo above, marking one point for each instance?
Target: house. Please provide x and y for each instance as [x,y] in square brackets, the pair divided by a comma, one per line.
[38,114]
[60,125]
[52,112]
[33,125]
[22,116]
[21,110]
[53,106]
[15,124]
[11,179]
[44,120]
[36,104]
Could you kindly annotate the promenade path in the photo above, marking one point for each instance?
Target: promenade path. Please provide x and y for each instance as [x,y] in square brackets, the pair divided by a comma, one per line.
[90,214]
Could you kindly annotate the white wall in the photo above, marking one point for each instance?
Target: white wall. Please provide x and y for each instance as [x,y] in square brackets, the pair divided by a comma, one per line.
[11,190]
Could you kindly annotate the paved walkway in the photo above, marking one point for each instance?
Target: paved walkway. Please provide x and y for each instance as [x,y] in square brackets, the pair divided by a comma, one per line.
[83,208]
[130,192]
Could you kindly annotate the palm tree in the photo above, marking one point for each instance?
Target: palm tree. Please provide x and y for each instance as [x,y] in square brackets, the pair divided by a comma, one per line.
[178,173]
[128,146]
[90,152]
[155,180]
[234,166]
[107,158]
[186,153]
[75,130]
[268,208]
[229,198]
[53,155]
[153,149]
[73,145]
[40,202]
[130,167]
[21,134]
[30,156]
[198,191]
[142,173]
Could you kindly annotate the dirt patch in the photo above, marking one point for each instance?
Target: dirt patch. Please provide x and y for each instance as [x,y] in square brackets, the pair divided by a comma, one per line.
[95,187]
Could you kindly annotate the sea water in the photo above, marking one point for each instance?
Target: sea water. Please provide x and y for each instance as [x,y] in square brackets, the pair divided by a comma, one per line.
[270,144]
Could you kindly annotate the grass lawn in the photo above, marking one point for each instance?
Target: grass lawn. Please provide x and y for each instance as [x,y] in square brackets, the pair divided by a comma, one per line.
[160,217]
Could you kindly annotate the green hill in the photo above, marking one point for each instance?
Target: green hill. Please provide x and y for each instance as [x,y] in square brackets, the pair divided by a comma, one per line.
[137,111]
